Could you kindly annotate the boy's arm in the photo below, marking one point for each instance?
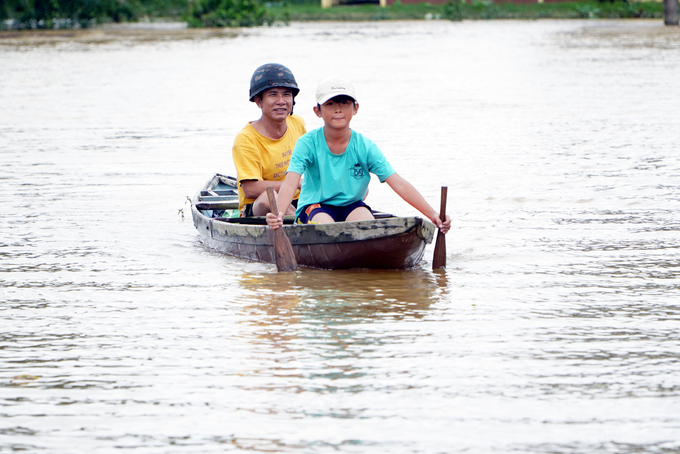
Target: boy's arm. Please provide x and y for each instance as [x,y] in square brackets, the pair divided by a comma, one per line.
[410,194]
[284,198]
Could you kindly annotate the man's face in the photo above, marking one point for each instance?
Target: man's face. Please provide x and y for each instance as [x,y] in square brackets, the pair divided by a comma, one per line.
[276,103]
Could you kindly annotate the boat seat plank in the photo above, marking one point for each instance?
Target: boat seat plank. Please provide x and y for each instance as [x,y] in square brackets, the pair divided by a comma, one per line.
[255,220]
[217,205]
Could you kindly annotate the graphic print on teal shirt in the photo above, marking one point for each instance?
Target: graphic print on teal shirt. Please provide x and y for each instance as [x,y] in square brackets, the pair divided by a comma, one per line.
[356,171]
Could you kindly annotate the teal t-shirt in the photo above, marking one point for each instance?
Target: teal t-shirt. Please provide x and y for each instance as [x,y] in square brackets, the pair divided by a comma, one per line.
[332,179]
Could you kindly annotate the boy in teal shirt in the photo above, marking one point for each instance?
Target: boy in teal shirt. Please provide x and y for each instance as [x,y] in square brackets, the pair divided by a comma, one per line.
[337,162]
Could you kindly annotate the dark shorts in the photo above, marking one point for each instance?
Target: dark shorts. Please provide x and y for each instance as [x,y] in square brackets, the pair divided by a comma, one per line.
[338,214]
[248,209]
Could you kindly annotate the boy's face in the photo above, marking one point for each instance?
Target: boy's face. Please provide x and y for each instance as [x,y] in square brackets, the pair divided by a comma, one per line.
[276,103]
[337,112]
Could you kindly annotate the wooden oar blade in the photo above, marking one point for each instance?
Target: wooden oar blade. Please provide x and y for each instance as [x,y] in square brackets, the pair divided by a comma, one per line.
[439,258]
[285,257]
[283,250]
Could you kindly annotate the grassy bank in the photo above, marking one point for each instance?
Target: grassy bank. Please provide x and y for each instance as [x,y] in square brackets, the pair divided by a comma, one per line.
[475,10]
[227,13]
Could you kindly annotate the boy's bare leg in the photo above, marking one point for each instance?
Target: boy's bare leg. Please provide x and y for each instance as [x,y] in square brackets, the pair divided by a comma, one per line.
[322,218]
[360,214]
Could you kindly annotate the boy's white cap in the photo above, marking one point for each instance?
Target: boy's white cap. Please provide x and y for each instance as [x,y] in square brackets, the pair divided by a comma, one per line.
[335,86]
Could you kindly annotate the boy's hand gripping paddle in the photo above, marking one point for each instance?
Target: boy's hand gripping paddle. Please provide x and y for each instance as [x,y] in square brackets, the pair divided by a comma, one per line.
[283,250]
[439,259]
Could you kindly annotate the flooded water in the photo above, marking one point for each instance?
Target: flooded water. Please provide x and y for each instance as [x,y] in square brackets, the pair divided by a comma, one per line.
[554,329]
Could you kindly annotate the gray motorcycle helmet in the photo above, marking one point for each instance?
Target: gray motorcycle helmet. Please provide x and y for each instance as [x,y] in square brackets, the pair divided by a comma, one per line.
[272,75]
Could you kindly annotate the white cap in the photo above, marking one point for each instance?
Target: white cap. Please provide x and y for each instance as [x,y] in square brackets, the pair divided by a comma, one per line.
[335,86]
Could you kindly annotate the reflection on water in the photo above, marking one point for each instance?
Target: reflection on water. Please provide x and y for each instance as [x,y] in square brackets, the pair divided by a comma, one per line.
[554,328]
[324,314]
[345,297]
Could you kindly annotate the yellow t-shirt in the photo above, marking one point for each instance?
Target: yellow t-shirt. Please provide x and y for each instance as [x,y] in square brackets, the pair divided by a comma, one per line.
[257,157]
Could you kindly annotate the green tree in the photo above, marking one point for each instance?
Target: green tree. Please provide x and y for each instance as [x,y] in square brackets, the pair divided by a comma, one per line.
[227,13]
[453,10]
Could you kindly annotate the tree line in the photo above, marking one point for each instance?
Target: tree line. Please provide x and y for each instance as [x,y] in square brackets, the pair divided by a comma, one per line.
[48,14]
[23,14]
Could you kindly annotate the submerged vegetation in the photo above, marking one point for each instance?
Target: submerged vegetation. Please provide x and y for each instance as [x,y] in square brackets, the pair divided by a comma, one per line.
[45,14]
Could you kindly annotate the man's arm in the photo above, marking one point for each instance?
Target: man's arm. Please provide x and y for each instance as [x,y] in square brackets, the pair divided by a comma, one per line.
[254,188]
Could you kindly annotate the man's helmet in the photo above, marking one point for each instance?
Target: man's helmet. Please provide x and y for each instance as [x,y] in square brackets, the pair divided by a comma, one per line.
[272,75]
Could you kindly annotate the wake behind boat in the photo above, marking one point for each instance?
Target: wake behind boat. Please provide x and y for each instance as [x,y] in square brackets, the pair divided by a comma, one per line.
[387,242]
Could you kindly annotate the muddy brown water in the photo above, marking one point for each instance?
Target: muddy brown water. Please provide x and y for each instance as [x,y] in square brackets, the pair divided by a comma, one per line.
[554,329]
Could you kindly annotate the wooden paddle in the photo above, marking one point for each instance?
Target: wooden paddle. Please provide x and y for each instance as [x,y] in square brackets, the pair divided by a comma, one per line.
[283,250]
[439,259]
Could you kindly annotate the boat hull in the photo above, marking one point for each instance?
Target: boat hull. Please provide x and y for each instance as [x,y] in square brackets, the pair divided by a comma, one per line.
[387,243]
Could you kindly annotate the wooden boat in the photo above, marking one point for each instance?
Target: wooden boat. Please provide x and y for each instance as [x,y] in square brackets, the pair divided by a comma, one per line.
[387,242]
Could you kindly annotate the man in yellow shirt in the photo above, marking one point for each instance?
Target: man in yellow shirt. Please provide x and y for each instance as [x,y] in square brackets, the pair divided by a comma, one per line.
[263,148]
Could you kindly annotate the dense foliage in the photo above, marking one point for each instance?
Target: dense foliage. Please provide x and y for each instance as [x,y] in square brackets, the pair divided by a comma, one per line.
[82,13]
[227,13]
[49,13]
